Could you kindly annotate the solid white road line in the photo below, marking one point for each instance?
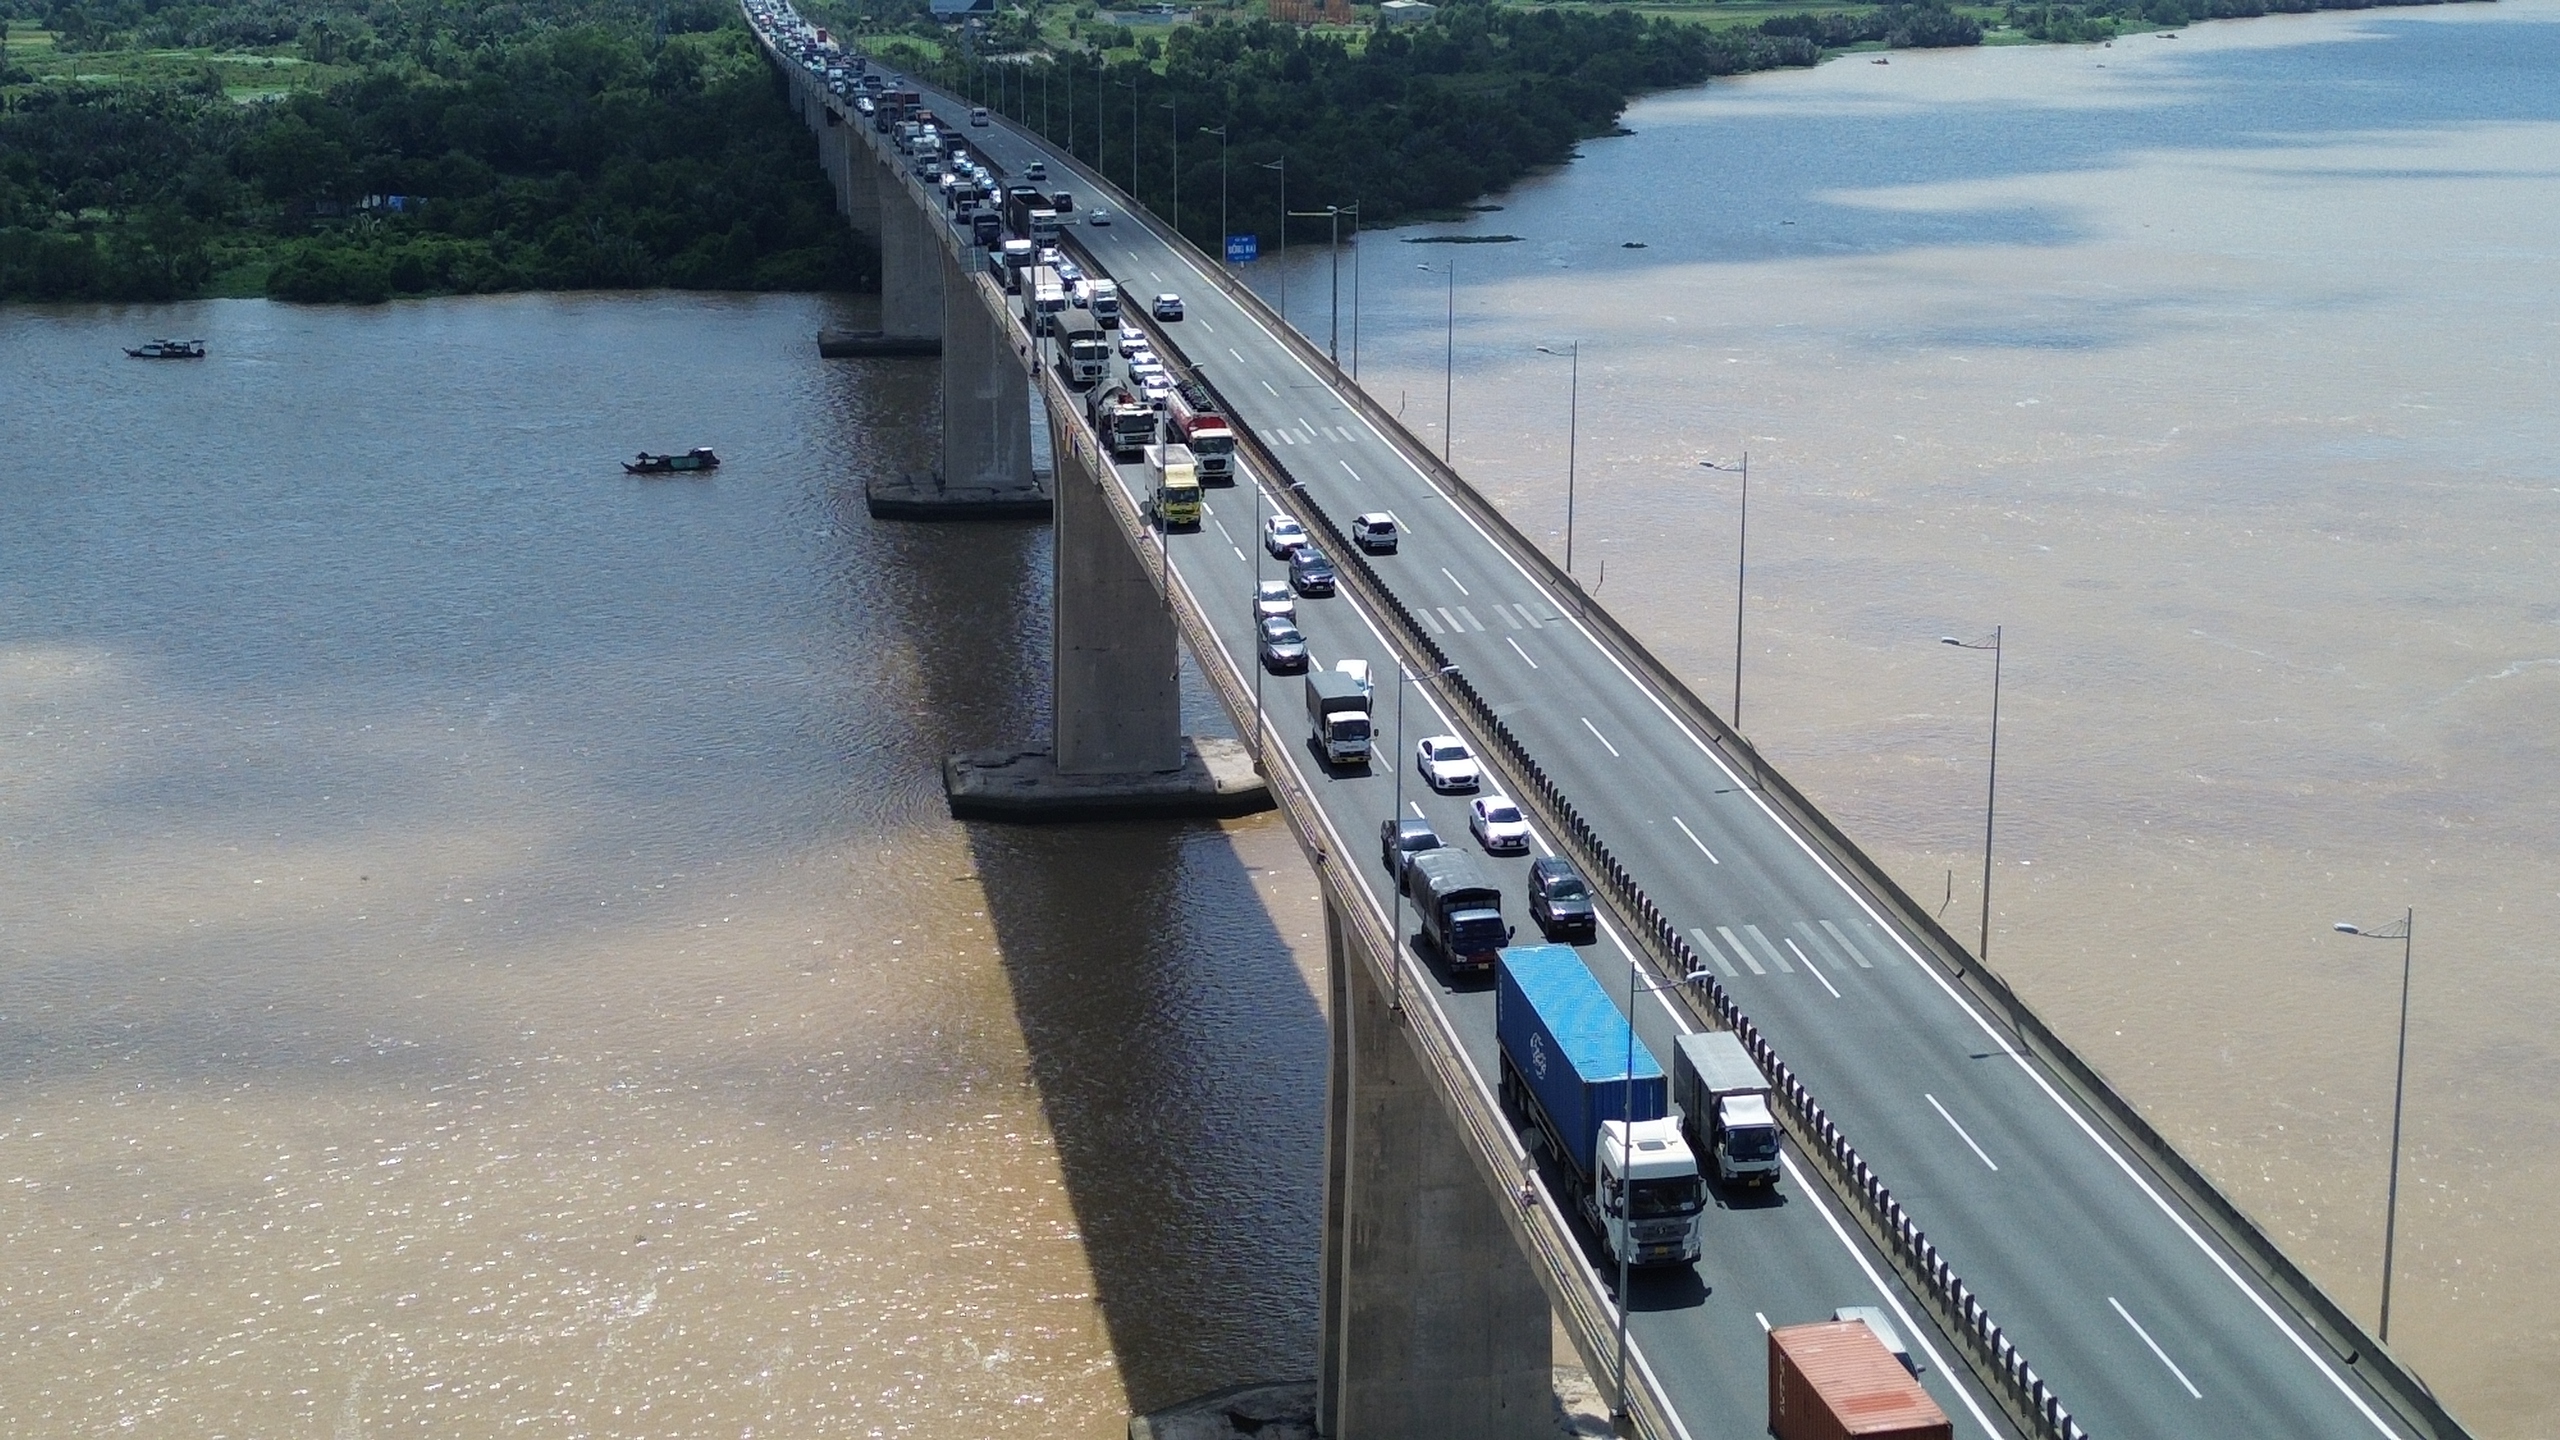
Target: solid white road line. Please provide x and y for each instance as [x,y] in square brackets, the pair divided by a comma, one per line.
[2192,1391]
[1910,1327]
[1603,739]
[1961,1132]
[1694,840]
[1454,580]
[1523,654]
[1813,969]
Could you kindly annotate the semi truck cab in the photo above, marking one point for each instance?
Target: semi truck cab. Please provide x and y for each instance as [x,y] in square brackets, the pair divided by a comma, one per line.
[1668,1198]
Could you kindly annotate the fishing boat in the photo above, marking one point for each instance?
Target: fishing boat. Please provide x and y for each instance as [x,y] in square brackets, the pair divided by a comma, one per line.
[167,350]
[697,458]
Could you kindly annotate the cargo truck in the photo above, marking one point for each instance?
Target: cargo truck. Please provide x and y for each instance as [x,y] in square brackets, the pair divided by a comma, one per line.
[1177,487]
[1104,298]
[1461,913]
[1724,1107]
[1044,299]
[1571,1066]
[1194,417]
[1084,356]
[1125,424]
[1338,717]
[1836,1381]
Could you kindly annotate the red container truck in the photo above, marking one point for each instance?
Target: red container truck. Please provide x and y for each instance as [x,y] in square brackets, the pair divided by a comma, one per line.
[1837,1381]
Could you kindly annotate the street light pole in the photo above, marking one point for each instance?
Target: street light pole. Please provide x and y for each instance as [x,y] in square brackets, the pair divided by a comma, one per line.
[1221,132]
[1282,165]
[1572,437]
[1175,105]
[1991,796]
[2406,933]
[1741,562]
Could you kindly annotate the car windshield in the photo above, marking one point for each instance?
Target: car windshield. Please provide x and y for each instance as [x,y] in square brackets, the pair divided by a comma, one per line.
[1274,590]
[1280,632]
[1501,815]
[1479,932]
[1753,1142]
[1451,750]
[1566,887]
[1680,1196]
[1419,838]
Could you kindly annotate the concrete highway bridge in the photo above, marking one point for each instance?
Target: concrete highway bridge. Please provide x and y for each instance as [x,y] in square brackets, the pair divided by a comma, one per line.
[2054,1266]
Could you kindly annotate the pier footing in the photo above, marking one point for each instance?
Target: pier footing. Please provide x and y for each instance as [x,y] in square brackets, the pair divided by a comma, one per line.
[857,344]
[1285,1411]
[1216,780]
[925,497]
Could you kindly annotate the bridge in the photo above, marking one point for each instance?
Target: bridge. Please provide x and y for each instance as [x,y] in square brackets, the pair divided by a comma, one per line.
[2057,1268]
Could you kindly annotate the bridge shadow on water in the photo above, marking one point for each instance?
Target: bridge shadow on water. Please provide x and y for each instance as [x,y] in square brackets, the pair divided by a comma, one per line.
[1178,1052]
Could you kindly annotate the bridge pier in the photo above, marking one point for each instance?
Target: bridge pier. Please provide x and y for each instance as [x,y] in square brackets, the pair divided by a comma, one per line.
[911,261]
[1434,1324]
[1117,746]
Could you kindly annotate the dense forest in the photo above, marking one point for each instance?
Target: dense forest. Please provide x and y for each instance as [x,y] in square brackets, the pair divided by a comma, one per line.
[586,150]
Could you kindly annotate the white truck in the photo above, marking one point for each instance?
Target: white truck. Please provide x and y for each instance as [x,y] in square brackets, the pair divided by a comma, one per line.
[1104,300]
[1724,1107]
[1044,299]
[1338,717]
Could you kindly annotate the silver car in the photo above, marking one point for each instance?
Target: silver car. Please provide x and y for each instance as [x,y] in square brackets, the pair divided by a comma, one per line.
[1274,597]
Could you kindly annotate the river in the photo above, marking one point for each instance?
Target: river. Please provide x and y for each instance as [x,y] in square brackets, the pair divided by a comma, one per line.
[485,949]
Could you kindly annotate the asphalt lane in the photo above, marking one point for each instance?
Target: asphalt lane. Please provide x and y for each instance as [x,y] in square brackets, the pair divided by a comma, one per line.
[2140,1321]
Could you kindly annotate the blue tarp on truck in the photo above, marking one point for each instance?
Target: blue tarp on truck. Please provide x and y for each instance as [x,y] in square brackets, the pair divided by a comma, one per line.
[1564,1045]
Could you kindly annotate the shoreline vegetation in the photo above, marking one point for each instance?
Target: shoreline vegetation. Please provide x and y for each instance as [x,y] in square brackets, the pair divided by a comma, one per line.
[357,150]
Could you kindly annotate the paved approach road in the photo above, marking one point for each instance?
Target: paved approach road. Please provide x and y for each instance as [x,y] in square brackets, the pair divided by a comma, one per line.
[2131,1309]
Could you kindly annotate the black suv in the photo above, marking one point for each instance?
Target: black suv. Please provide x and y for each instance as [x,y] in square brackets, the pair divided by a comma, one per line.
[1400,840]
[1310,571]
[1560,901]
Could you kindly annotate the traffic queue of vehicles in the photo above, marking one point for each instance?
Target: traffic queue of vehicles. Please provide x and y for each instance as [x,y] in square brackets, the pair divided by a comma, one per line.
[1627,1139]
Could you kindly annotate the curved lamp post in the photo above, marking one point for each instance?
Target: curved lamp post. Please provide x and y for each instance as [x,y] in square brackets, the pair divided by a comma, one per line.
[2405,932]
[1991,795]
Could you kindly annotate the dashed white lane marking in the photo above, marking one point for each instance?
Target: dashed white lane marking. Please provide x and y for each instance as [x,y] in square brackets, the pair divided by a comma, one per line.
[1813,969]
[1742,950]
[1775,958]
[1266,387]
[1708,948]
[2192,1392]
[1454,580]
[1417,810]
[1240,360]
[1470,617]
[1347,470]
[1961,1133]
[1854,952]
[1694,840]
[1239,552]
[1763,1319]
[1603,739]
[1523,654]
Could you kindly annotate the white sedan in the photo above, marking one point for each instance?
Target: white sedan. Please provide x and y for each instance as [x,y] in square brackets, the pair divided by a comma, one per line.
[1274,597]
[1447,764]
[1499,824]
[1280,535]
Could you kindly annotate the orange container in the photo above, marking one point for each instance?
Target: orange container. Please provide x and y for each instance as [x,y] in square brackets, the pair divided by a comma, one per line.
[1836,1381]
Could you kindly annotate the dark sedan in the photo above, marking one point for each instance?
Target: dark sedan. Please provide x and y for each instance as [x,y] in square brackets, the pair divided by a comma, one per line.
[1283,648]
[1560,901]
[1400,840]
[1310,571]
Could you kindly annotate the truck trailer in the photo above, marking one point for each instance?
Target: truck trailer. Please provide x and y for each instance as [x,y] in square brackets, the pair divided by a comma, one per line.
[1571,1066]
[1338,717]
[1461,911]
[1724,1107]
[1194,417]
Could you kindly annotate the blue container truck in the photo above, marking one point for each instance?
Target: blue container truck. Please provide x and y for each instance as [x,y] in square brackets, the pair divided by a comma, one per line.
[1565,1068]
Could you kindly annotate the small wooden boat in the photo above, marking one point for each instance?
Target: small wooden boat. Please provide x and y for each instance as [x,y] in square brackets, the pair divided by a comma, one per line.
[167,350]
[697,458]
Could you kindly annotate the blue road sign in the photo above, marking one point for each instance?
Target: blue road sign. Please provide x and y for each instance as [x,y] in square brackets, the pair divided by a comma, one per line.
[1241,248]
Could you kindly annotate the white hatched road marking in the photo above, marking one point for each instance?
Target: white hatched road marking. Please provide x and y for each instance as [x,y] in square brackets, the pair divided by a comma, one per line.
[1452,619]
[1854,952]
[1708,948]
[1470,617]
[1742,950]
[1780,960]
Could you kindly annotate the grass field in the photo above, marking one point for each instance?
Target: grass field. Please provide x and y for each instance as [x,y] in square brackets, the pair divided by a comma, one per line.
[244,76]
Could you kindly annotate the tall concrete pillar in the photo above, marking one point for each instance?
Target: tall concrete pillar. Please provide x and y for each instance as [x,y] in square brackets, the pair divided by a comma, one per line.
[986,396]
[1434,1323]
[854,168]
[1118,702]
[911,262]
